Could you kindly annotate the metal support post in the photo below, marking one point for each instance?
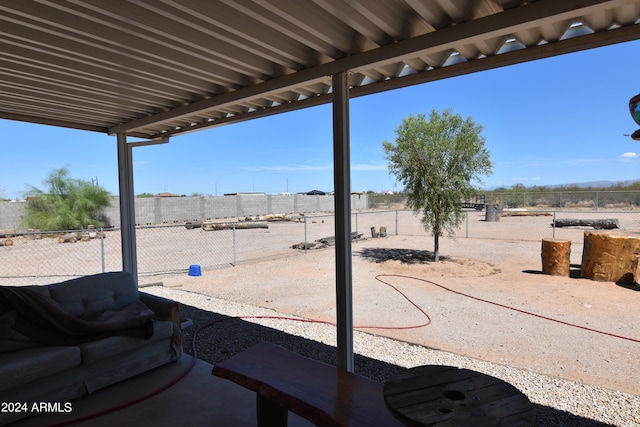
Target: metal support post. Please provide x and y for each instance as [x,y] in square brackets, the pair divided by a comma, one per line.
[342,181]
[127,207]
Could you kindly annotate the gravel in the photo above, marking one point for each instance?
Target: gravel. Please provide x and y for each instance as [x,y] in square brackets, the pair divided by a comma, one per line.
[559,402]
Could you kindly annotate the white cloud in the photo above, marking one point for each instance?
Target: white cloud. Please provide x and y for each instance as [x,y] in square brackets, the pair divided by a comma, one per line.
[630,155]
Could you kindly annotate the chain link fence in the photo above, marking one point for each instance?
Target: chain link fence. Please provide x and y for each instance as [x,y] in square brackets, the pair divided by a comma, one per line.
[41,258]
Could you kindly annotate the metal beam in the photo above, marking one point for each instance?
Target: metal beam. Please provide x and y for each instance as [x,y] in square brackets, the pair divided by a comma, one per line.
[496,25]
[342,182]
[127,207]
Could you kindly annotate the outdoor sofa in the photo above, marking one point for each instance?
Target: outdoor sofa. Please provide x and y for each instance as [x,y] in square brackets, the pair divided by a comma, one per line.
[65,340]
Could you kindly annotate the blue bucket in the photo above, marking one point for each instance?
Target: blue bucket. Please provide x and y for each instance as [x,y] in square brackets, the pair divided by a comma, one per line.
[194,270]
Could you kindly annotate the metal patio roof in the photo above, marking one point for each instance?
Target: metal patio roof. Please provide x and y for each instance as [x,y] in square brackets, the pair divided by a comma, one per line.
[152,68]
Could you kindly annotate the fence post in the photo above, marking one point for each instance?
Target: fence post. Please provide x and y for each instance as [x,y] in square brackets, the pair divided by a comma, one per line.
[396,222]
[234,244]
[554,224]
[102,247]
[466,214]
[305,234]
[356,214]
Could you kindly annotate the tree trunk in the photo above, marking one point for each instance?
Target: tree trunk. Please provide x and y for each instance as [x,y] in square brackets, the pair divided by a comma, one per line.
[608,256]
[556,256]
[436,249]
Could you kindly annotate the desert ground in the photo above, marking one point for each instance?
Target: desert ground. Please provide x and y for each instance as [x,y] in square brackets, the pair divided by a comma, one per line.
[486,299]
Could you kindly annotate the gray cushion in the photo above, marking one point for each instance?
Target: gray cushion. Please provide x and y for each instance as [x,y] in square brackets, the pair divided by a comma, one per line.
[21,367]
[95,351]
[98,292]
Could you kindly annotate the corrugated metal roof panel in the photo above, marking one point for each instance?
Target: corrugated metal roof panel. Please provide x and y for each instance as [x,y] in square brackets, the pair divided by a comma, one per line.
[150,68]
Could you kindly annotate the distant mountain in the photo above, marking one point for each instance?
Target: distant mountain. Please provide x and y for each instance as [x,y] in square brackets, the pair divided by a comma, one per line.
[593,184]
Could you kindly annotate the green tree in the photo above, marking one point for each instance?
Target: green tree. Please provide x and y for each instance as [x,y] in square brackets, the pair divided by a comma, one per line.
[436,161]
[66,204]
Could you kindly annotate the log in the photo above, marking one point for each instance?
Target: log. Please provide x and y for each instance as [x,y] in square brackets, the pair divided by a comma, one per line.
[323,242]
[331,240]
[556,257]
[237,225]
[193,224]
[525,213]
[8,232]
[607,256]
[598,224]
[374,234]
[6,242]
[69,237]
[33,234]
[314,245]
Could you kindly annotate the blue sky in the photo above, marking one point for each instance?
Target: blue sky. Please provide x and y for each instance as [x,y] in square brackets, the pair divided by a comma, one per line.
[554,121]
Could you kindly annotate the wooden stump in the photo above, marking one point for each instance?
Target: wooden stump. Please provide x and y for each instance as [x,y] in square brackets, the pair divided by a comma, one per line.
[608,256]
[635,268]
[493,213]
[556,256]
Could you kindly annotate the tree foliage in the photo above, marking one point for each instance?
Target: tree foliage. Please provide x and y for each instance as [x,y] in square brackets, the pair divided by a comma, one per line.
[437,161]
[66,203]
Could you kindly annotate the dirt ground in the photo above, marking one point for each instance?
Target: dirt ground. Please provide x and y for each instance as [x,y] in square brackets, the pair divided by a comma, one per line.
[487,299]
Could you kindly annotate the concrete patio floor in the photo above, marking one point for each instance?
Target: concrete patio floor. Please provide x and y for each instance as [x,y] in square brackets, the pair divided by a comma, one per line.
[198,399]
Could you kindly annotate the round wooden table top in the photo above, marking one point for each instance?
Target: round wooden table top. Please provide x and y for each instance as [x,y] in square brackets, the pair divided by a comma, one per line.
[434,395]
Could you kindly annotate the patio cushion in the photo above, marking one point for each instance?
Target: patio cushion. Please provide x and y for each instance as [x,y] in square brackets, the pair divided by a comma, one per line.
[95,293]
[21,367]
[95,351]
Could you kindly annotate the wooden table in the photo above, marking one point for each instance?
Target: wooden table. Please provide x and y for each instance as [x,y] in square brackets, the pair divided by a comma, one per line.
[448,396]
[285,381]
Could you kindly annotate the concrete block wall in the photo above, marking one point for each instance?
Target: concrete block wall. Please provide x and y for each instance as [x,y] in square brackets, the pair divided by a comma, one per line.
[11,214]
[282,204]
[170,210]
